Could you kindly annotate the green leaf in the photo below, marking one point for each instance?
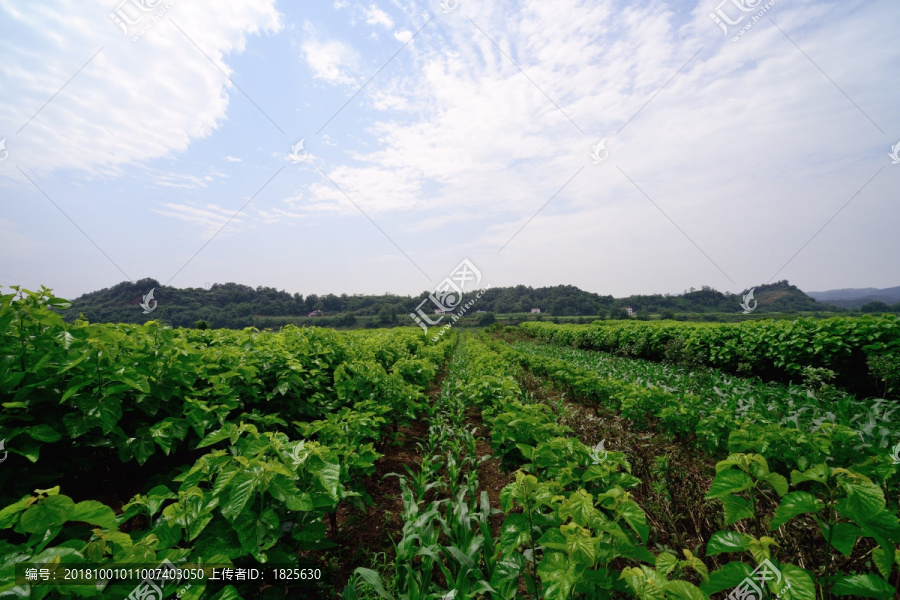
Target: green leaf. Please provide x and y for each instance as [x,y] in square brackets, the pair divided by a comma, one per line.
[374,580]
[843,536]
[817,473]
[558,575]
[666,563]
[727,541]
[95,513]
[52,512]
[10,514]
[683,589]
[884,561]
[214,438]
[795,584]
[240,490]
[778,482]
[157,497]
[794,504]
[579,506]
[736,508]
[867,586]
[109,409]
[554,539]
[143,449]
[635,517]
[727,577]
[43,433]
[729,482]
[580,547]
[505,579]
[514,533]
[865,497]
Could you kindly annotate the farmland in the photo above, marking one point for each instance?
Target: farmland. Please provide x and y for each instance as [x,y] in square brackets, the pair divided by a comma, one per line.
[613,460]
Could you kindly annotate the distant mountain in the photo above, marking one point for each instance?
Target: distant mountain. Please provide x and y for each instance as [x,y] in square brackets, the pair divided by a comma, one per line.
[856,297]
[235,306]
[780,296]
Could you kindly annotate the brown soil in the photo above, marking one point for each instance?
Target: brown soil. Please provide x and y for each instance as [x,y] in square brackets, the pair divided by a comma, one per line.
[491,476]
[361,535]
[672,488]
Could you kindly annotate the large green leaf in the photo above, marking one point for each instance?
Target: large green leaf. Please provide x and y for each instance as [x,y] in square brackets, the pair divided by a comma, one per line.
[45,515]
[240,490]
[635,517]
[843,536]
[214,437]
[43,433]
[865,497]
[514,533]
[884,561]
[794,504]
[9,516]
[558,575]
[580,547]
[727,541]
[729,482]
[579,506]
[666,563]
[143,448]
[868,586]
[736,509]
[95,513]
[727,577]
[795,584]
[778,482]
[109,411]
[683,590]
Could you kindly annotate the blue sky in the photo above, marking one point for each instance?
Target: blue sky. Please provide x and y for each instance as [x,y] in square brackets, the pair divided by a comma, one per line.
[463,132]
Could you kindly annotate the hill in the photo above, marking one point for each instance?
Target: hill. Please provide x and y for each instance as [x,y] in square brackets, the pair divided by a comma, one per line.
[234,305]
[857,297]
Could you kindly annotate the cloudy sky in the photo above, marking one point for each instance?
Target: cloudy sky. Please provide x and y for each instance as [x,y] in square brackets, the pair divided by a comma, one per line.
[160,138]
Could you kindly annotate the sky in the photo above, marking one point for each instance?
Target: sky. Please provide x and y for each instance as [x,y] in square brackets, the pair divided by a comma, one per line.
[371,147]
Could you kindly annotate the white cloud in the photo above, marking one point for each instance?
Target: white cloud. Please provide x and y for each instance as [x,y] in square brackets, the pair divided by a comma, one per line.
[472,132]
[233,159]
[403,35]
[376,16]
[135,101]
[330,60]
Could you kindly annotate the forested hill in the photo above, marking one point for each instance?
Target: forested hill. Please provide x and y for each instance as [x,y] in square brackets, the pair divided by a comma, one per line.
[235,305]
